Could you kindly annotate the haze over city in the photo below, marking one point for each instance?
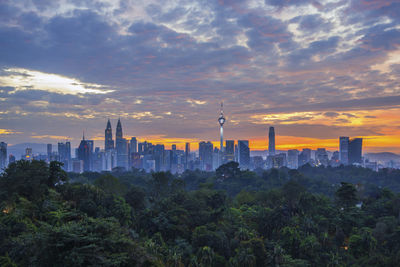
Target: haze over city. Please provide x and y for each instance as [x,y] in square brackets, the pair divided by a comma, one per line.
[315,70]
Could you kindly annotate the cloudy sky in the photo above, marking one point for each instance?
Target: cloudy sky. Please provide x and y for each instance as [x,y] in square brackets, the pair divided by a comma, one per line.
[313,69]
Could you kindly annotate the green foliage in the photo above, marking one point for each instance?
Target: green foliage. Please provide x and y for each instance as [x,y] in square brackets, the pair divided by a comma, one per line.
[278,217]
[346,195]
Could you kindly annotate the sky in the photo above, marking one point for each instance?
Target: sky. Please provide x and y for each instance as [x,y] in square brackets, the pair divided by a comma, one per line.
[315,70]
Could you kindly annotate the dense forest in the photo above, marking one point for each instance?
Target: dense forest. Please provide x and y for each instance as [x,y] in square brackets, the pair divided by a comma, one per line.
[344,216]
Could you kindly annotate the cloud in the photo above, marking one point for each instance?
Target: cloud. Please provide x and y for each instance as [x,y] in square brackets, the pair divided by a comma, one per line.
[24,79]
[353,104]
[161,66]
[8,132]
[331,114]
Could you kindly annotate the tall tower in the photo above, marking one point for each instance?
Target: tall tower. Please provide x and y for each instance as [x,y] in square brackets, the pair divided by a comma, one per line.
[344,150]
[3,155]
[271,141]
[118,134]
[121,146]
[221,121]
[108,140]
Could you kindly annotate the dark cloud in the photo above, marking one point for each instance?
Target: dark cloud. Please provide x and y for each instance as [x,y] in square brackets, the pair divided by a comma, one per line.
[283,3]
[331,114]
[165,54]
[312,23]
[354,104]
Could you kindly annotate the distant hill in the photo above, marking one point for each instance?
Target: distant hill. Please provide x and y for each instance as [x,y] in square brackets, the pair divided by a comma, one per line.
[19,149]
[383,156]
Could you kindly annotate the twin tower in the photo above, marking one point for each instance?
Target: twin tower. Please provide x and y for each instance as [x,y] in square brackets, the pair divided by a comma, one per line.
[108,141]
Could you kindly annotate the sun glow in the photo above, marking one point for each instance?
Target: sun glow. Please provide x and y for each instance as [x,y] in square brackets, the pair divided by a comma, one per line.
[24,79]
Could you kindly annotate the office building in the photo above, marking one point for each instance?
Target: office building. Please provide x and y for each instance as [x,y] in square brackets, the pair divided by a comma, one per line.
[271,141]
[355,151]
[3,155]
[279,161]
[293,159]
[64,155]
[321,157]
[49,152]
[11,159]
[84,155]
[229,150]
[158,156]
[244,154]
[187,155]
[133,145]
[305,157]
[344,150]
[206,155]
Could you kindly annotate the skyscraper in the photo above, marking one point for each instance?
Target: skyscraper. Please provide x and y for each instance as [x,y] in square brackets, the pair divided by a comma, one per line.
[229,150]
[206,155]
[3,155]
[64,155]
[321,157]
[187,155]
[293,159]
[271,141]
[84,154]
[49,152]
[304,157]
[133,145]
[244,153]
[108,140]
[344,150]
[355,150]
[121,146]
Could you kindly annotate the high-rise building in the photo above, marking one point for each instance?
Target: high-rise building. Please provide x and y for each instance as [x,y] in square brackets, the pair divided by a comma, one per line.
[133,145]
[279,161]
[271,141]
[64,154]
[305,157]
[68,151]
[84,155]
[3,155]
[11,159]
[158,156]
[321,157]
[121,147]
[334,161]
[344,150]
[49,152]
[244,154]
[187,155]
[293,159]
[229,150]
[355,151]
[108,140]
[206,155]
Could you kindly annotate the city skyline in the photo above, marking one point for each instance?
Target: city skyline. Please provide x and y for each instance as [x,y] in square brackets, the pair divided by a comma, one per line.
[261,144]
[314,70]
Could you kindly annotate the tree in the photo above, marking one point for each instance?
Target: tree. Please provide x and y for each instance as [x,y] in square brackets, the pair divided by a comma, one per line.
[29,179]
[346,195]
[136,198]
[109,184]
[228,170]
